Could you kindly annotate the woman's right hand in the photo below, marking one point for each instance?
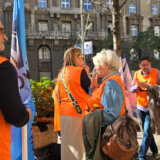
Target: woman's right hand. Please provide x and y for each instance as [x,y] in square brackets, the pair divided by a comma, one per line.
[94,79]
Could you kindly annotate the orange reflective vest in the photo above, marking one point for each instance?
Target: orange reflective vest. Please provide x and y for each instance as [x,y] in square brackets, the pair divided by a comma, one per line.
[95,99]
[72,77]
[151,78]
[56,109]
[5,133]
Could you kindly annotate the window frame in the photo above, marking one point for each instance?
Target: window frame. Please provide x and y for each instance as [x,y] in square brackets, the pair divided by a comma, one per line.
[87,5]
[42,56]
[155,10]
[65,3]
[109,4]
[134,30]
[132,8]
[42,3]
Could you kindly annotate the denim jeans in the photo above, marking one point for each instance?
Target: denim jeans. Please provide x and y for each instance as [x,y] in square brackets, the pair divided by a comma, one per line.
[148,139]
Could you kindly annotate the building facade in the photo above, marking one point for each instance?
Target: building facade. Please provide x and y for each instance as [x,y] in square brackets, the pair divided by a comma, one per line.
[50,24]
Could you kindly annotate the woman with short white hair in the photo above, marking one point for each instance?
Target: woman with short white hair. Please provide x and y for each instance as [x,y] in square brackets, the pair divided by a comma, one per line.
[110,96]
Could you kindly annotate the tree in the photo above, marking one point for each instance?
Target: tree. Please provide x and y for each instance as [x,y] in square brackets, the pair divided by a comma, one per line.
[147,40]
[116,17]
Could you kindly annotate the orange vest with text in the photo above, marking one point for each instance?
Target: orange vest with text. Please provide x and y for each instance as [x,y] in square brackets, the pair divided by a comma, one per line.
[95,99]
[72,76]
[151,78]
[5,133]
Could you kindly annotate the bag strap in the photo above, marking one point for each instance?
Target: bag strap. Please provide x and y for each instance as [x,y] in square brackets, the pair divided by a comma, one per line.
[74,102]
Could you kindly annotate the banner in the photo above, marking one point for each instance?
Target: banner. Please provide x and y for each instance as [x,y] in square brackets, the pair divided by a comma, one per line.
[19,60]
[131,100]
[88,47]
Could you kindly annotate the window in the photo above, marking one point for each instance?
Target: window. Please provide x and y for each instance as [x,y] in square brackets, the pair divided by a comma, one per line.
[43,26]
[66,26]
[87,5]
[134,30]
[42,3]
[110,27]
[44,54]
[157,31]
[45,74]
[132,8]
[154,9]
[109,4]
[65,3]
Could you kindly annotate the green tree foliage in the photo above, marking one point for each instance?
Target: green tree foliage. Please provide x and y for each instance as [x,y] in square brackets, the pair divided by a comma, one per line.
[71,41]
[147,40]
[106,43]
[42,96]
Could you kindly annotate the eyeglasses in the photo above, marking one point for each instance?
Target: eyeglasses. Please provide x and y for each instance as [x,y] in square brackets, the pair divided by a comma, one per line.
[144,65]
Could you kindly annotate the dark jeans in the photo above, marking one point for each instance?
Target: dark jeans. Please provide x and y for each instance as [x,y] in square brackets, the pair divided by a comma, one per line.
[148,139]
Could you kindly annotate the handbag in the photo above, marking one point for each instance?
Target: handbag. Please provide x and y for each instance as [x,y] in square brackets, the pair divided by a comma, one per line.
[119,141]
[74,102]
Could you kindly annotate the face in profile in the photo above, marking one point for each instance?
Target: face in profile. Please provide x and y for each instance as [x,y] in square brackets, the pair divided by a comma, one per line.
[3,37]
[79,59]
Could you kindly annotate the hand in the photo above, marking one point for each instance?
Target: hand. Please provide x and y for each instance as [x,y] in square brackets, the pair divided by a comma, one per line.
[30,113]
[86,68]
[94,79]
[142,84]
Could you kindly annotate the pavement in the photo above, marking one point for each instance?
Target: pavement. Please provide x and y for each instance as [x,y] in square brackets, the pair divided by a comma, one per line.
[149,153]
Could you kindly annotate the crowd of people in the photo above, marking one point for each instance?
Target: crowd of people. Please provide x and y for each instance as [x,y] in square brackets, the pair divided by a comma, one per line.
[77,95]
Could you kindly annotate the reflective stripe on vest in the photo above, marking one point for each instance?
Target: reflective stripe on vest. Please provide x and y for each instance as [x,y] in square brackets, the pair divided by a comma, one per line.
[151,78]
[5,132]
[72,76]
[95,99]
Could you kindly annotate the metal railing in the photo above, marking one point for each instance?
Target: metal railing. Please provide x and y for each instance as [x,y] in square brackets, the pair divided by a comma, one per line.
[31,34]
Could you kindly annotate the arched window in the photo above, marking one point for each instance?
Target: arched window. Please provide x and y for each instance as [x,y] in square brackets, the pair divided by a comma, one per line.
[44,62]
[44,54]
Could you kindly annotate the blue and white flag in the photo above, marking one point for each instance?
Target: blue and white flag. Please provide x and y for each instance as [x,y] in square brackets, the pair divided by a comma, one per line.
[19,60]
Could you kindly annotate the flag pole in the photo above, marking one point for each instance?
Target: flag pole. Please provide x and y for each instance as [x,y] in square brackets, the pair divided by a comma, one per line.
[24,143]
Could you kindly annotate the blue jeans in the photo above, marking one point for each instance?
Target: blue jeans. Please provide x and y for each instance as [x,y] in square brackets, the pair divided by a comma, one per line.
[148,139]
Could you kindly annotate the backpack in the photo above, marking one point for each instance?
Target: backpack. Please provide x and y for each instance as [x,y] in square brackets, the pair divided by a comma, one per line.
[119,141]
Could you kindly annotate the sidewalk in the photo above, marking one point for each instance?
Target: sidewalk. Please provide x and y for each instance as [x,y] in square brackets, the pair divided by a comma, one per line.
[157,139]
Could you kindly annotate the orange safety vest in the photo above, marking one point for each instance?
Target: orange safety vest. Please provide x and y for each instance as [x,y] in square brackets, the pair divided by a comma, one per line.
[72,77]
[5,133]
[151,78]
[56,109]
[95,99]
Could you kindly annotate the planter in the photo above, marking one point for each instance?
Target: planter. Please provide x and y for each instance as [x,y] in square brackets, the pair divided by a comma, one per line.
[43,138]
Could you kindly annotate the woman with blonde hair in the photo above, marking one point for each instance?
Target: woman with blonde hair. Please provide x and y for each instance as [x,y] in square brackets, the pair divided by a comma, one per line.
[109,97]
[71,94]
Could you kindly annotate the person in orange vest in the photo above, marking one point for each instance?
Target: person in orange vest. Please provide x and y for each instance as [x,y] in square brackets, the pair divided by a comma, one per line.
[12,110]
[109,97]
[143,79]
[70,99]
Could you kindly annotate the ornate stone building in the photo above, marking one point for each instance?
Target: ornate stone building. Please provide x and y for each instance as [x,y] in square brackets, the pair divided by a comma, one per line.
[50,23]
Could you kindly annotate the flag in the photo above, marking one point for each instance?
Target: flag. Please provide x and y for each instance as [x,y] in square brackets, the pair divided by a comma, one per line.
[131,101]
[19,60]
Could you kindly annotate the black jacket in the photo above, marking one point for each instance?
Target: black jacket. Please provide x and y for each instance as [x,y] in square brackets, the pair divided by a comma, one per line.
[13,110]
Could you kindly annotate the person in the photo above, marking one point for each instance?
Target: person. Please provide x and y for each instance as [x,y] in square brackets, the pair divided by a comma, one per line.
[12,111]
[109,97]
[143,79]
[72,88]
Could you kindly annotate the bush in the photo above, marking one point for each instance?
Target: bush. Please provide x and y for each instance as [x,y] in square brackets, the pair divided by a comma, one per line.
[42,96]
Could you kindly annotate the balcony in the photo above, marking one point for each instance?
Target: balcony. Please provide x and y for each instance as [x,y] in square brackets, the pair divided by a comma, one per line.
[31,34]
